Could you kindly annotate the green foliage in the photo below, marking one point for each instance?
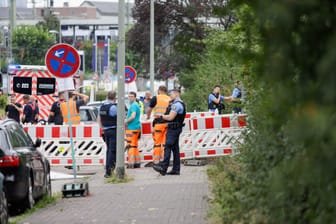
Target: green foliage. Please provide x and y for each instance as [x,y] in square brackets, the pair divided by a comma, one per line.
[30,44]
[3,101]
[101,95]
[51,22]
[286,167]
[226,59]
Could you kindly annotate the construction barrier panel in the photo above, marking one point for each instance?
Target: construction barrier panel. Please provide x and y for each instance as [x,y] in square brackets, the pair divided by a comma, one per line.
[204,135]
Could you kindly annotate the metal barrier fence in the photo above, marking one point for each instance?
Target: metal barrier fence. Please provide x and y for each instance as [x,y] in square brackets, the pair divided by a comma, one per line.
[204,135]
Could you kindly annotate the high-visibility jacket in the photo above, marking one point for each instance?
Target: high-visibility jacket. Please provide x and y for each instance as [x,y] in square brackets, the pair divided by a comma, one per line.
[162,102]
[74,114]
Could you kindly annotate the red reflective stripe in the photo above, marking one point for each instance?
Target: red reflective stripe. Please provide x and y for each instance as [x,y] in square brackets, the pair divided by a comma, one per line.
[197,153]
[87,132]
[211,152]
[148,157]
[73,132]
[209,123]
[227,151]
[87,161]
[146,128]
[195,125]
[101,161]
[55,161]
[182,154]
[242,120]
[225,122]
[55,132]
[39,132]
[69,161]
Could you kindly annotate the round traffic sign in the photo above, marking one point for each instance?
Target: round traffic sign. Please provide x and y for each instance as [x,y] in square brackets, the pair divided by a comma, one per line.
[62,60]
[130,74]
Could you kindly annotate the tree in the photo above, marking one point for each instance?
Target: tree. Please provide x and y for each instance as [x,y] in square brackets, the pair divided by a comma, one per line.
[285,170]
[30,44]
[178,33]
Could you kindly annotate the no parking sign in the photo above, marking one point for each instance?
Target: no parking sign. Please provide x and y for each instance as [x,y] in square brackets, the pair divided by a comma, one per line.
[62,60]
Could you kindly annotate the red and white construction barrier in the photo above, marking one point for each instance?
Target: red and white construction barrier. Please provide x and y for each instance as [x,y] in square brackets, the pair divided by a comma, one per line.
[202,136]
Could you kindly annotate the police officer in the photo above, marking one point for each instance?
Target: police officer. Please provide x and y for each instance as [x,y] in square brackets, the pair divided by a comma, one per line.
[107,120]
[215,100]
[236,97]
[174,116]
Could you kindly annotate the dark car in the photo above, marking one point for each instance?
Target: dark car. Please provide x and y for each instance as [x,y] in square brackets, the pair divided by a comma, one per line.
[3,202]
[26,170]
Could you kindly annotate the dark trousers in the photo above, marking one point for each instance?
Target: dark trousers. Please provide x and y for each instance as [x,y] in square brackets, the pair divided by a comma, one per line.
[110,136]
[172,145]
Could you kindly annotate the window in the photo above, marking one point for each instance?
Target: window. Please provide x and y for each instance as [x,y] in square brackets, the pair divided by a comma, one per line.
[3,140]
[17,136]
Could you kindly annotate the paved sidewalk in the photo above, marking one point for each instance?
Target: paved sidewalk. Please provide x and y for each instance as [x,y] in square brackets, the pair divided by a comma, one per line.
[148,199]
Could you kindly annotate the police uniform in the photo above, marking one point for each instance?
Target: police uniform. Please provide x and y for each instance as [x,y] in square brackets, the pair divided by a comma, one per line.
[108,118]
[174,129]
[212,106]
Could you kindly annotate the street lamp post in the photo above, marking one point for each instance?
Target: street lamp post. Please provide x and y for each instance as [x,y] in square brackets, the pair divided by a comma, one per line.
[151,58]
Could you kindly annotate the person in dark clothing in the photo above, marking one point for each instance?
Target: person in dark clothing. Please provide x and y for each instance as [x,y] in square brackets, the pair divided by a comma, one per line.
[174,116]
[107,120]
[28,111]
[13,109]
[55,115]
[216,101]
[36,109]
[236,97]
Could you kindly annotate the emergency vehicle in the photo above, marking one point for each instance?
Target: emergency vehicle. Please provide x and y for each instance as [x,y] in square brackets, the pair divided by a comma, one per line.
[37,81]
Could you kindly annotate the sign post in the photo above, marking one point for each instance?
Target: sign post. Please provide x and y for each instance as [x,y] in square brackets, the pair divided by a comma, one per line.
[63,61]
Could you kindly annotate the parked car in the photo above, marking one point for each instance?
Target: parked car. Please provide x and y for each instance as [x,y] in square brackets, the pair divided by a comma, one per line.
[26,170]
[88,114]
[3,202]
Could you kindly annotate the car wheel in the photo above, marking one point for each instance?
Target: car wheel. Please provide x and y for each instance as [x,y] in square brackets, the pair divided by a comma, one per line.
[3,208]
[29,200]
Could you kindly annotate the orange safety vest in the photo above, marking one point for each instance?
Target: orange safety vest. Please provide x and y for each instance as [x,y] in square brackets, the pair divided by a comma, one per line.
[74,115]
[162,102]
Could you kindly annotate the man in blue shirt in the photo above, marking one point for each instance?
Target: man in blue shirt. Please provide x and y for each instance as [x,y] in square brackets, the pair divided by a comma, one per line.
[107,120]
[133,130]
[174,116]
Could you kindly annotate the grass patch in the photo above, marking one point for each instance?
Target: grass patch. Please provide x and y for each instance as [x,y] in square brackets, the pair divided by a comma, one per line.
[115,180]
[42,203]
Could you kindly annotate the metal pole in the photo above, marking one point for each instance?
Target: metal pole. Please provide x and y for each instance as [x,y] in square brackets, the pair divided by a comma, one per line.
[151,59]
[120,168]
[12,26]
[60,31]
[71,137]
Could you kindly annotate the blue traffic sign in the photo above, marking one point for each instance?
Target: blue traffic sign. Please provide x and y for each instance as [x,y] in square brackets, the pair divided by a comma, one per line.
[62,60]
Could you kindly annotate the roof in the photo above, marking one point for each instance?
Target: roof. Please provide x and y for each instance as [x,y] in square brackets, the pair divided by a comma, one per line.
[20,13]
[105,8]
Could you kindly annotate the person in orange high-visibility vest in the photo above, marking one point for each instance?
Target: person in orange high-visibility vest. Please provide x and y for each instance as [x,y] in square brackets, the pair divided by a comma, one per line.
[133,129]
[74,105]
[159,105]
